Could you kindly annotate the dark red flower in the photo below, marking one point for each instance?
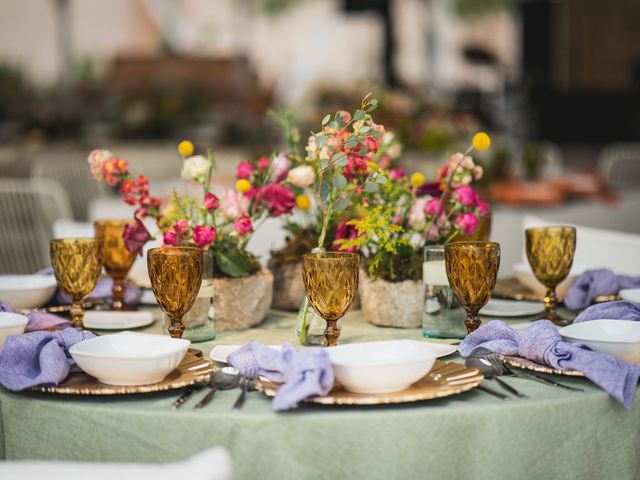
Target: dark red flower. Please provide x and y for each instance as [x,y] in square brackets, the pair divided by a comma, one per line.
[135,236]
[429,188]
[345,231]
[277,198]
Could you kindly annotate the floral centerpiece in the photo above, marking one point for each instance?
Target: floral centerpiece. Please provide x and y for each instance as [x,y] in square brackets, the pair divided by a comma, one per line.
[390,227]
[221,226]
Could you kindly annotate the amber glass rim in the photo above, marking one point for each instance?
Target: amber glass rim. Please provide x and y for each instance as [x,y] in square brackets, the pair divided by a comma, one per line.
[72,240]
[113,221]
[472,243]
[552,228]
[170,248]
[331,255]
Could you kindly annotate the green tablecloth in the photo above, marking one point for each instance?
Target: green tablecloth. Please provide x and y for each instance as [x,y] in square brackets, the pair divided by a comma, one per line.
[552,434]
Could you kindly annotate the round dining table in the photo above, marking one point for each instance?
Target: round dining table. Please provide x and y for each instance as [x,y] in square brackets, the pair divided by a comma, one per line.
[551,434]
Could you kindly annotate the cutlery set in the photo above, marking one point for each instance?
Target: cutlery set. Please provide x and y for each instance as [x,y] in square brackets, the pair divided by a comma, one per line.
[226,378]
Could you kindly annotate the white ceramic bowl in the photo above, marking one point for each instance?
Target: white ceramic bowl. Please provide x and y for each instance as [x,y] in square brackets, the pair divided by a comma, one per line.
[525,276]
[620,338]
[381,367]
[630,294]
[129,358]
[27,291]
[11,324]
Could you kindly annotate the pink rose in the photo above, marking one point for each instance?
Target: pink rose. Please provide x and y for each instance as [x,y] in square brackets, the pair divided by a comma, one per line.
[483,208]
[278,199]
[170,238]
[244,170]
[234,204]
[396,174]
[203,235]
[243,225]
[467,222]
[432,207]
[345,231]
[466,196]
[135,236]
[280,167]
[417,215]
[211,202]
[263,163]
[181,227]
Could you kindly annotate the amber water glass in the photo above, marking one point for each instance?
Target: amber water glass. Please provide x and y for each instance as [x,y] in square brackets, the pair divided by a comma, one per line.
[550,253]
[331,282]
[472,270]
[176,277]
[117,259]
[77,263]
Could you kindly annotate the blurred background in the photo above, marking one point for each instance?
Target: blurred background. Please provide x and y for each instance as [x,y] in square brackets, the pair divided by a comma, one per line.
[556,83]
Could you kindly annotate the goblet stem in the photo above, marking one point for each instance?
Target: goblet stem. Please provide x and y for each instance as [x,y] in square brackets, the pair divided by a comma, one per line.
[472,322]
[77,313]
[118,294]
[331,333]
[550,303]
[176,327]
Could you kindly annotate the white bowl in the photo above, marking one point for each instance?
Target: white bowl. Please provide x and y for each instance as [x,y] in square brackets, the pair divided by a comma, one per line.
[620,338]
[11,324]
[525,276]
[129,358]
[27,291]
[381,367]
[630,294]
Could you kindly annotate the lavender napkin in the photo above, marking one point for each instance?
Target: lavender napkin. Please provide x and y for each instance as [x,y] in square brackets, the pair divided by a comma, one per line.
[304,373]
[620,310]
[38,358]
[595,283]
[542,343]
[37,320]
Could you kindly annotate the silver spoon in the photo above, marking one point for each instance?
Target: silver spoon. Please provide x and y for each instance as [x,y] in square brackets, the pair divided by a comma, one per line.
[224,379]
[488,371]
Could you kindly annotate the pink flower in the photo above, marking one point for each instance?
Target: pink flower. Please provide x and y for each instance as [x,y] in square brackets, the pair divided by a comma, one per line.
[417,215]
[356,167]
[396,174]
[397,220]
[243,225]
[135,236]
[244,170]
[345,231]
[432,207]
[467,222]
[483,208]
[280,167]
[170,238]
[263,163]
[203,235]
[234,204]
[278,199]
[181,227]
[211,202]
[466,196]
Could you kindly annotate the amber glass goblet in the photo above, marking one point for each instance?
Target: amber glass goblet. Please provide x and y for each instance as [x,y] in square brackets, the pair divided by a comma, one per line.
[117,259]
[472,269]
[331,282]
[176,276]
[77,263]
[550,253]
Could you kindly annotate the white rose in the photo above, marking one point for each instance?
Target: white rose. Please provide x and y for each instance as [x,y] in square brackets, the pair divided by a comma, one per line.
[301,176]
[196,169]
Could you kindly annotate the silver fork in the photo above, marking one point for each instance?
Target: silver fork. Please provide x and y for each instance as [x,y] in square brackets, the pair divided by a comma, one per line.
[247,380]
[503,369]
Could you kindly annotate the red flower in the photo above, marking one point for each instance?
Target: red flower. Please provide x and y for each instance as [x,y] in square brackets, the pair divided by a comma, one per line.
[278,199]
[211,202]
[181,227]
[128,186]
[396,174]
[170,238]
[244,170]
[135,236]
[356,166]
[468,222]
[263,163]
[345,231]
[203,235]
[243,225]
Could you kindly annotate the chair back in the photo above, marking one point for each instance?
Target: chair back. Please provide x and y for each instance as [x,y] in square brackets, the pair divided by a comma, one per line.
[619,165]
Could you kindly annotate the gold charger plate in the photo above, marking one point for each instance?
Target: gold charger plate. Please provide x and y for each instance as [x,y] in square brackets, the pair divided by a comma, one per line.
[526,364]
[445,379]
[192,370]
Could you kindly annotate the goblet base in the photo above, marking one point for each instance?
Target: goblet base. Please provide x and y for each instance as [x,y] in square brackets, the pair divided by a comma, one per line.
[556,319]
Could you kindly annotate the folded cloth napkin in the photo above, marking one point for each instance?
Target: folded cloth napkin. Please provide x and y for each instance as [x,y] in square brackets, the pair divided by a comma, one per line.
[620,310]
[38,358]
[542,343]
[303,373]
[596,283]
[37,320]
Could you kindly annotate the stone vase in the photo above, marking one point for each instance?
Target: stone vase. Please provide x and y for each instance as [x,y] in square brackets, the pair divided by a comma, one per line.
[242,302]
[391,304]
[287,282]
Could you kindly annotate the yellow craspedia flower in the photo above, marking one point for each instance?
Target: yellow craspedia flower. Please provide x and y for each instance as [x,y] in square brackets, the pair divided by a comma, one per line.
[417,179]
[243,185]
[481,141]
[185,148]
[303,202]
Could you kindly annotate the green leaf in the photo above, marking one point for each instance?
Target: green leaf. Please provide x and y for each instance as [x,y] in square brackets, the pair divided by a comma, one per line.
[376,134]
[352,142]
[371,187]
[365,129]
[359,115]
[321,141]
[340,159]
[363,151]
[381,179]
[341,204]
[232,263]
[326,119]
[373,104]
[324,163]
[339,182]
[333,124]
[325,191]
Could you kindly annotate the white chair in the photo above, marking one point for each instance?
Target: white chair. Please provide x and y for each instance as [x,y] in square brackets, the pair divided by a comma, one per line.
[619,164]
[28,209]
[211,464]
